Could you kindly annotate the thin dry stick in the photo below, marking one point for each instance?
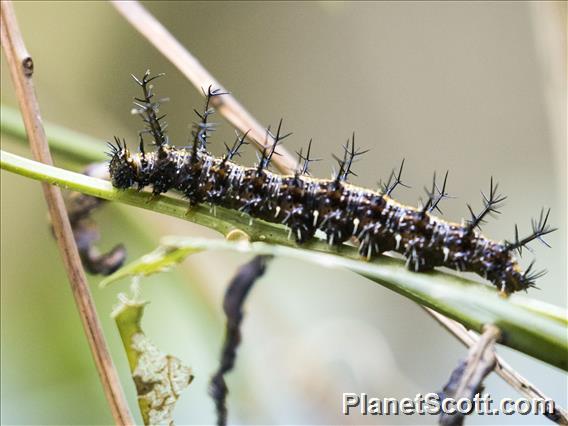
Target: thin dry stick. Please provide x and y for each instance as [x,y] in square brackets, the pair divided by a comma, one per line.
[165,43]
[480,360]
[227,105]
[467,378]
[502,368]
[21,70]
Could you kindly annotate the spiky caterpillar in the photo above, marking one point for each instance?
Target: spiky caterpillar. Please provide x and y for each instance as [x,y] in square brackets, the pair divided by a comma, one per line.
[340,210]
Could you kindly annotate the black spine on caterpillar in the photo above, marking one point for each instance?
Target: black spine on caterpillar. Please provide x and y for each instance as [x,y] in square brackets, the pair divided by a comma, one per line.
[339,209]
[296,202]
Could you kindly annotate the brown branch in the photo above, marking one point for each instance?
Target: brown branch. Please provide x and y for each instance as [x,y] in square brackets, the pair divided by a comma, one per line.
[21,70]
[480,361]
[227,105]
[502,368]
[235,113]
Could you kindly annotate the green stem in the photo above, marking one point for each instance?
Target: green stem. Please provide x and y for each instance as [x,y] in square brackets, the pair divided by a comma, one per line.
[534,329]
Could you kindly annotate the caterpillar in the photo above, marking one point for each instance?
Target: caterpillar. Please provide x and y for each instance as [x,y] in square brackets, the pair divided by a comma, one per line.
[339,209]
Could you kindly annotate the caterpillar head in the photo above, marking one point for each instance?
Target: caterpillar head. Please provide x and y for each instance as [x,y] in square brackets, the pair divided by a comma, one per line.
[503,269]
[122,167]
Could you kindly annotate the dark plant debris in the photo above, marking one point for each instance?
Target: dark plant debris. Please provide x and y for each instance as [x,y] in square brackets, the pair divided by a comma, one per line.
[235,296]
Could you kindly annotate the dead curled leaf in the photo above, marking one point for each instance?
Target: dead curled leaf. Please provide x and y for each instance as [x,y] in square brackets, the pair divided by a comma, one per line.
[159,378]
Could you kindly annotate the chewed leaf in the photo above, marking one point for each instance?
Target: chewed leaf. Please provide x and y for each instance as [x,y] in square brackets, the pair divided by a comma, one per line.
[159,378]
[160,260]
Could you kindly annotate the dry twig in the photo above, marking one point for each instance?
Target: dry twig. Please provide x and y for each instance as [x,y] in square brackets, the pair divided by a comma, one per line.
[21,70]
[502,368]
[467,379]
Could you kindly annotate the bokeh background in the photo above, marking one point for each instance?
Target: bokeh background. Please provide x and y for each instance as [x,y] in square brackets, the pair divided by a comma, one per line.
[476,88]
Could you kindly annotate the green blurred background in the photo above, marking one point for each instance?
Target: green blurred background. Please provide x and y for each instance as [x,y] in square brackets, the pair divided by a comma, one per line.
[476,88]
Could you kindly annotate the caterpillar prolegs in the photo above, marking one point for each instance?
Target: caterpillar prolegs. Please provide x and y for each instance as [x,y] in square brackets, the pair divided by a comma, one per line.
[304,204]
